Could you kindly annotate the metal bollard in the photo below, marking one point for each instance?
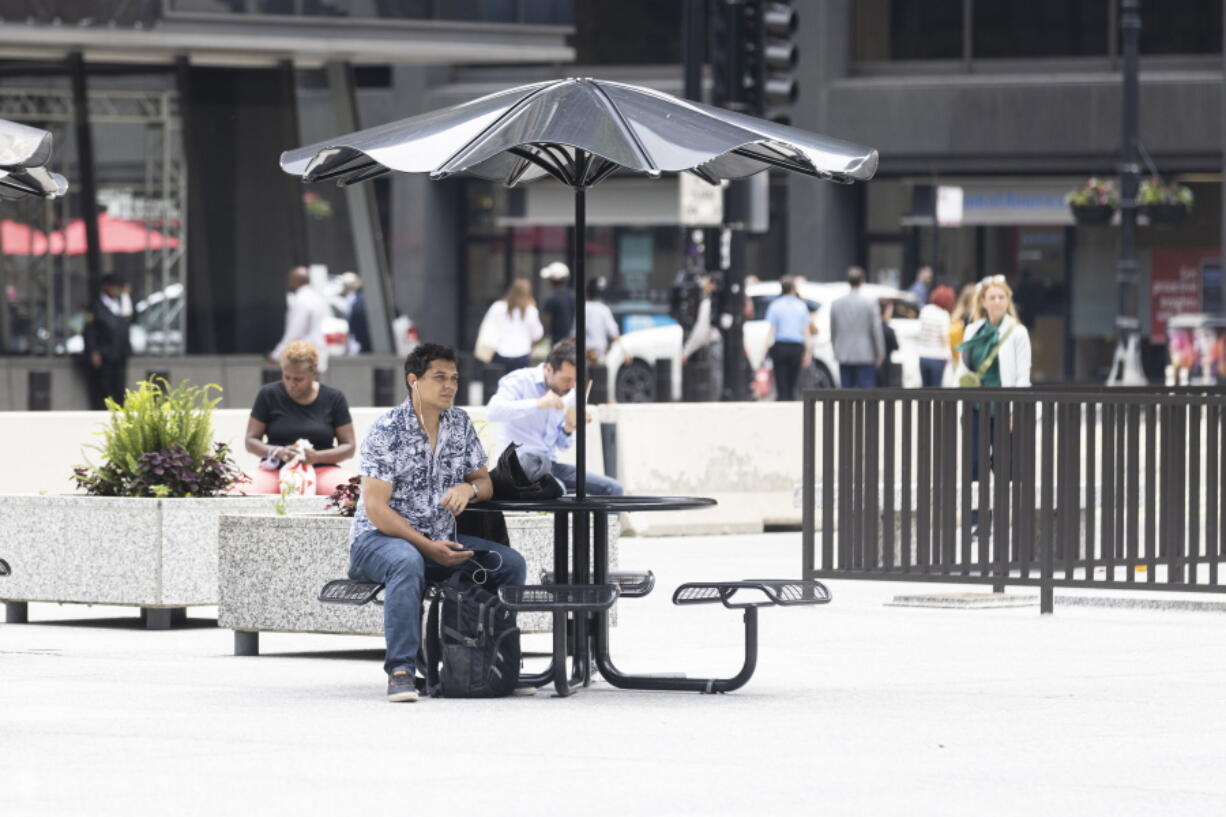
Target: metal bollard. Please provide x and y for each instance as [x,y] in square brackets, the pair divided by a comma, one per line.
[38,390]
[664,381]
[600,385]
[490,376]
[384,386]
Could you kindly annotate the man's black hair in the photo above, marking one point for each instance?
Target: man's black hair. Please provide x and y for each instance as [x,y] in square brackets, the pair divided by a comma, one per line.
[419,359]
[787,286]
[855,276]
[562,352]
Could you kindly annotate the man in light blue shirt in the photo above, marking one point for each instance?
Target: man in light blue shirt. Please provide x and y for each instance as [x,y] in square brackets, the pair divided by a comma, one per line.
[788,316]
[535,408]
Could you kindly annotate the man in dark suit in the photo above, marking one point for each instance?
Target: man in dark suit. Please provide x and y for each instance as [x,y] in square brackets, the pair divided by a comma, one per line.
[106,342]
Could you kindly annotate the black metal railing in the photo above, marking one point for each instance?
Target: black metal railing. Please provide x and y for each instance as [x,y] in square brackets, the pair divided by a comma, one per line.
[1119,488]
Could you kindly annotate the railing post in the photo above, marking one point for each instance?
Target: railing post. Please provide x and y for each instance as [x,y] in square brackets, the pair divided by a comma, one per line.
[1047,533]
[808,485]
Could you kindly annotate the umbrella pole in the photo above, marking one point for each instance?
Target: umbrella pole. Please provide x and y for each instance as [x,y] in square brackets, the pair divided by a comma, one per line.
[580,252]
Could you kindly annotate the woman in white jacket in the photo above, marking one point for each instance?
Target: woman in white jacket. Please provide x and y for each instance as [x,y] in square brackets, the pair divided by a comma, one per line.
[996,318]
[516,323]
[996,325]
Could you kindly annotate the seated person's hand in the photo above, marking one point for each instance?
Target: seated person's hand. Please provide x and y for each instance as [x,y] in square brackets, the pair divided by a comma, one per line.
[457,497]
[570,416]
[549,400]
[288,452]
[448,554]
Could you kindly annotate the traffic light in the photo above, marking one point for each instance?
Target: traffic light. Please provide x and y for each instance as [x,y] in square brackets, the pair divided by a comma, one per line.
[770,57]
[728,54]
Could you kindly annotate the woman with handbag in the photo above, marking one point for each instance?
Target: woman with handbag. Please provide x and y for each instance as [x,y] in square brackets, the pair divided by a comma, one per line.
[995,350]
[300,429]
[510,327]
[995,353]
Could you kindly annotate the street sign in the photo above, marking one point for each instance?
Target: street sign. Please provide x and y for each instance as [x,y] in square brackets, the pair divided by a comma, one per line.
[702,204]
[949,206]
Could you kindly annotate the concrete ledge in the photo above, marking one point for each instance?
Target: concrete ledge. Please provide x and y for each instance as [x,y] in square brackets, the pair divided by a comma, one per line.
[119,550]
[271,569]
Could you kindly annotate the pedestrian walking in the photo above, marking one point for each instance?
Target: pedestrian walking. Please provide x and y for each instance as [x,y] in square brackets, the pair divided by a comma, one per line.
[790,328]
[304,317]
[559,307]
[702,355]
[922,286]
[856,335]
[600,327]
[933,343]
[511,325]
[107,345]
[995,354]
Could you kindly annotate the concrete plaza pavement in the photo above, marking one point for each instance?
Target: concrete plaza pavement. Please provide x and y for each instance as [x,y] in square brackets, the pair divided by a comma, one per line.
[857,708]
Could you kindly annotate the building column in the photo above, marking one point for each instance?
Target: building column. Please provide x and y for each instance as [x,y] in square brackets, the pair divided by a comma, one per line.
[822,217]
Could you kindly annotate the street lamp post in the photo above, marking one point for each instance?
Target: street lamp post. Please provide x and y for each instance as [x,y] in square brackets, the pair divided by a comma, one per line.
[1126,369]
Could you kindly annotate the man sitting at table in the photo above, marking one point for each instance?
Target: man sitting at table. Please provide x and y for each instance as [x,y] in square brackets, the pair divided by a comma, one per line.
[421,464]
[536,410]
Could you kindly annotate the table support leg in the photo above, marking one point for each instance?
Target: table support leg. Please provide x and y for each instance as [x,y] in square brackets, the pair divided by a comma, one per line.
[708,685]
[581,547]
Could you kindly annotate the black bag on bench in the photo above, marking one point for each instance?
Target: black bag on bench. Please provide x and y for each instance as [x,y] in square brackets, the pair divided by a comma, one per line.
[472,634]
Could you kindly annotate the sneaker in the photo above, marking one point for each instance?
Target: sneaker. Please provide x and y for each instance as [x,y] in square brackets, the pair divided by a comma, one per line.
[401,687]
[526,691]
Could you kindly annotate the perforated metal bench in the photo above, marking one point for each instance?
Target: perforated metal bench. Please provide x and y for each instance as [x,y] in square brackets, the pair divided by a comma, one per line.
[630,584]
[350,591]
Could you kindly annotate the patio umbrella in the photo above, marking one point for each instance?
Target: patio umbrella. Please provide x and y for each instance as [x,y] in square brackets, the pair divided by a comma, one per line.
[24,152]
[21,239]
[578,131]
[114,235]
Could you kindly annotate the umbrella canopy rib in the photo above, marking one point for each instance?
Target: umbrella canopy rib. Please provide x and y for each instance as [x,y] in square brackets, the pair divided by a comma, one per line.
[628,133]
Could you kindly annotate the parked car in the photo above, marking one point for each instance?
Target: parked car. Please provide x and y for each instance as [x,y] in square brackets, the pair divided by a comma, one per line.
[632,359]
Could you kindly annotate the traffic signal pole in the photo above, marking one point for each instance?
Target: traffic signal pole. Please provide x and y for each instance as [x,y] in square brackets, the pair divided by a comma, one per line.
[1126,368]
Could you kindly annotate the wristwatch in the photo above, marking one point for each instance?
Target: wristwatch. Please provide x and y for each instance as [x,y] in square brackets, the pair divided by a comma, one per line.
[476,490]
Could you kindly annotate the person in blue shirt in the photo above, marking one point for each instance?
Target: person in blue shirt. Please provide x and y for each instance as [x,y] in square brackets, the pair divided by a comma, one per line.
[536,410]
[922,286]
[788,316]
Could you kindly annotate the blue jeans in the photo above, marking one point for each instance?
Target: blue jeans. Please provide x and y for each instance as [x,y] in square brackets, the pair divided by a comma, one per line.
[597,484]
[932,371]
[400,567]
[857,375]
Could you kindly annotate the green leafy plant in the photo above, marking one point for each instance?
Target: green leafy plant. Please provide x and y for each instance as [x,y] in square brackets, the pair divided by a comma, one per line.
[159,443]
[1092,192]
[1153,191]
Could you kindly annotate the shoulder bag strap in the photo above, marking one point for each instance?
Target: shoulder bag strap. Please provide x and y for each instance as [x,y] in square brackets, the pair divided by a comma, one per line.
[987,361]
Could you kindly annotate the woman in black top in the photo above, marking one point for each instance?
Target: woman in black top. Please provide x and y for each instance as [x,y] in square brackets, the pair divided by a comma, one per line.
[298,407]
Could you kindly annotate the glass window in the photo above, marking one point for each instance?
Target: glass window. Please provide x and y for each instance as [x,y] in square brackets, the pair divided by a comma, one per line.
[627,32]
[1196,28]
[1040,28]
[908,30]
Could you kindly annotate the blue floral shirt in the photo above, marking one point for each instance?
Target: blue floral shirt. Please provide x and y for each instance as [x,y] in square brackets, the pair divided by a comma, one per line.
[397,450]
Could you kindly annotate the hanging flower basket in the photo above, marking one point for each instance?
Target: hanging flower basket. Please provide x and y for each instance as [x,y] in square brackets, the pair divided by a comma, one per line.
[1094,202]
[1164,203]
[1092,214]
[1165,213]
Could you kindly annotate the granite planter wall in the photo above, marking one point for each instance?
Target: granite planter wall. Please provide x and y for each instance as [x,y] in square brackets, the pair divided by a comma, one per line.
[272,568]
[157,554]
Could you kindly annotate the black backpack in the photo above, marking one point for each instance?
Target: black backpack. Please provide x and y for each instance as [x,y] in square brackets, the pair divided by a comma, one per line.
[472,634]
